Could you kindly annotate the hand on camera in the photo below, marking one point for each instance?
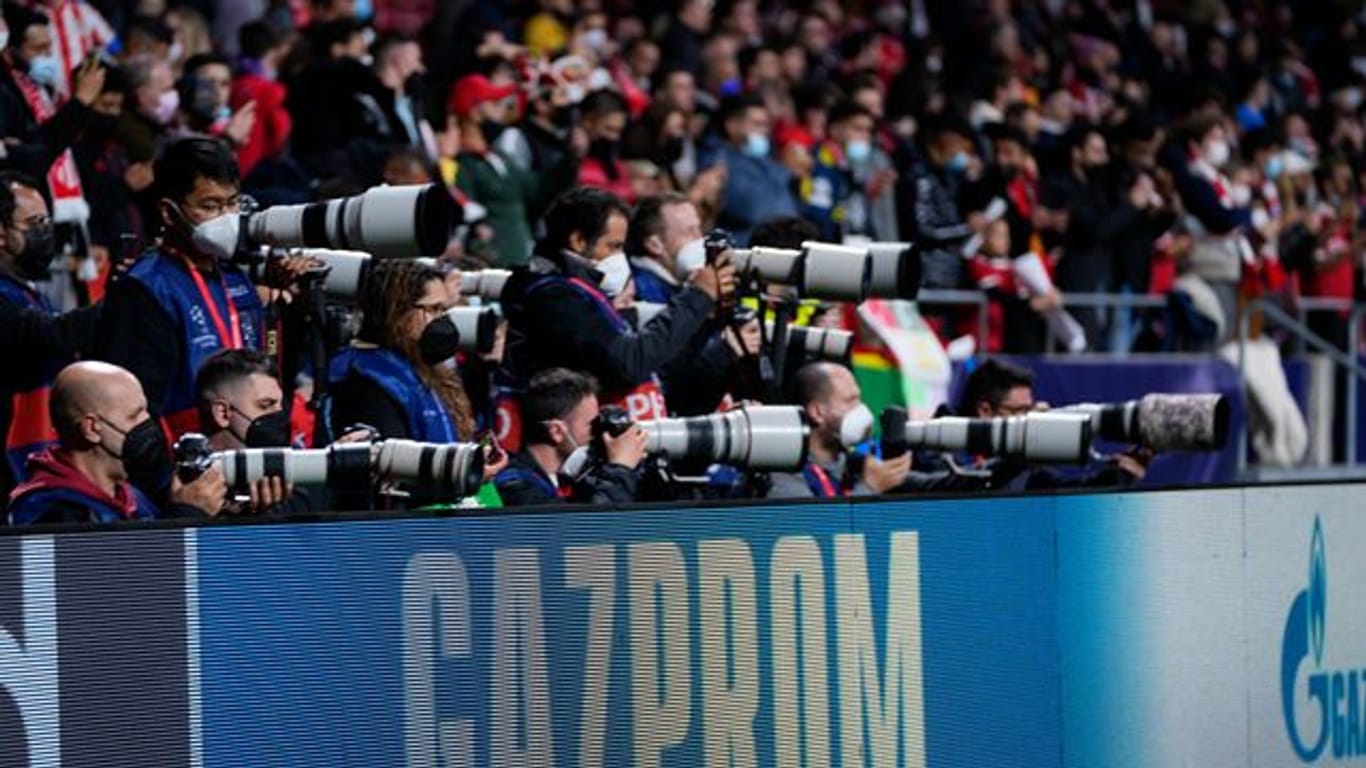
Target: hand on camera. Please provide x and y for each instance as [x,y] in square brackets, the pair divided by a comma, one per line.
[206,493]
[1135,462]
[283,274]
[882,476]
[268,492]
[627,449]
[716,281]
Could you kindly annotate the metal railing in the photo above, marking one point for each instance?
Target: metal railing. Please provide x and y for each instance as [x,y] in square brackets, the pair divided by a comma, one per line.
[983,302]
[1304,335]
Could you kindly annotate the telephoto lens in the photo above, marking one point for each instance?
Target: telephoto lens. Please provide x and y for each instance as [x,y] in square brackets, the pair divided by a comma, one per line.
[819,270]
[1034,437]
[347,271]
[388,222]
[895,271]
[765,438]
[455,468]
[487,284]
[478,327]
[1162,422]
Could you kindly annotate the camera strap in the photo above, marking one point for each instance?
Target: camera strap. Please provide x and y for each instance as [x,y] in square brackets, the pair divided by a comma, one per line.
[230,337]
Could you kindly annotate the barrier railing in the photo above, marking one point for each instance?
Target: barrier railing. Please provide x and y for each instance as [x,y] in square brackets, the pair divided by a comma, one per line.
[1299,328]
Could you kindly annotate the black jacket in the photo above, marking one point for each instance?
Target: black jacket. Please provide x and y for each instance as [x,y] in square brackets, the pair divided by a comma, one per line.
[558,326]
[38,145]
[524,483]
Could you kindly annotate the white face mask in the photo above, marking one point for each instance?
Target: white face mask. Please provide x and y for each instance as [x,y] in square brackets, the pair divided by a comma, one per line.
[45,70]
[1217,153]
[856,426]
[691,257]
[616,272]
[4,39]
[575,463]
[218,236]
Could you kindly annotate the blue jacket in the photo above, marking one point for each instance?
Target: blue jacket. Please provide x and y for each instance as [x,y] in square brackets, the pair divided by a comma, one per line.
[757,189]
[29,428]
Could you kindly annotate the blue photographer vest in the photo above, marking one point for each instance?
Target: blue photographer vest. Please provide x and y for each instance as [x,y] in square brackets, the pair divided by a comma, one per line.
[428,420]
[202,314]
[30,428]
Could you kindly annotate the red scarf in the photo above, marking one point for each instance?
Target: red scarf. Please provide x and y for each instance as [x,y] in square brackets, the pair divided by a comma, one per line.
[63,178]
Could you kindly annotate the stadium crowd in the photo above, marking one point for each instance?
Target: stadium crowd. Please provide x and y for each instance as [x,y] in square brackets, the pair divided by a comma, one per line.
[1204,152]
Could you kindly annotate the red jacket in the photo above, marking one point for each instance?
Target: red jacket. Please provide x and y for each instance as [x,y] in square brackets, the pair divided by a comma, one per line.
[270,133]
[592,173]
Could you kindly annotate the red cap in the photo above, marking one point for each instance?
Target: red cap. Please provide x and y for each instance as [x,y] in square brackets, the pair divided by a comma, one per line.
[472,90]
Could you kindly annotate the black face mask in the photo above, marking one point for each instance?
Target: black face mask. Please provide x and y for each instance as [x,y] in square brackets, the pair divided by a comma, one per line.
[40,245]
[269,430]
[605,150]
[145,459]
[491,130]
[100,125]
[671,150]
[415,86]
[440,341]
[565,117]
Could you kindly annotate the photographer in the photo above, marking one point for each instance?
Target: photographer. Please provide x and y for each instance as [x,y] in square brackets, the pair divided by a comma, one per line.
[37,341]
[997,388]
[559,407]
[241,405]
[396,376]
[184,300]
[106,435]
[559,313]
[839,423]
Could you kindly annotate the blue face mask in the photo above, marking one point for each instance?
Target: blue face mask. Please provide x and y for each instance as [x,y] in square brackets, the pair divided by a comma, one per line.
[44,70]
[756,145]
[365,9]
[857,151]
[1274,168]
[958,163]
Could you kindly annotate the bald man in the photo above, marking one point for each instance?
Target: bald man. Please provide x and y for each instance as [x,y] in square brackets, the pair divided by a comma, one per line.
[104,434]
[841,425]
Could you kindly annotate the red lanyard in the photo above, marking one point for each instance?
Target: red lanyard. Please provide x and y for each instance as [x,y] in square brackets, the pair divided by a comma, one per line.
[827,487]
[229,341]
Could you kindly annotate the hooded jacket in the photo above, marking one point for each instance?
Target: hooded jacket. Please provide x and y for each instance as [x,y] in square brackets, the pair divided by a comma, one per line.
[58,492]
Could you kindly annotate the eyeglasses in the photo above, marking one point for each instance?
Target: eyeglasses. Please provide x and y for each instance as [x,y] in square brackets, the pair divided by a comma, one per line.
[215,207]
[431,308]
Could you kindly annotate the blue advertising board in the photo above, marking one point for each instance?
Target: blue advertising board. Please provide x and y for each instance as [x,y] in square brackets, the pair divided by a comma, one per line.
[805,635]
[1211,627]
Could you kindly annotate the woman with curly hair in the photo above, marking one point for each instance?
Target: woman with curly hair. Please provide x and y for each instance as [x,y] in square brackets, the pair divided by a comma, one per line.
[398,376]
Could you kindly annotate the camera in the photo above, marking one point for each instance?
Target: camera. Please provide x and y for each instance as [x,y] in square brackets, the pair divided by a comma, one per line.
[456,468]
[1034,437]
[766,438]
[388,222]
[487,284]
[812,344]
[895,270]
[818,270]
[1162,422]
[478,327]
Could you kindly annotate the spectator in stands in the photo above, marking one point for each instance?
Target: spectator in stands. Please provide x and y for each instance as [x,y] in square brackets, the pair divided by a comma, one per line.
[106,436]
[110,178]
[686,36]
[849,144]
[559,408]
[757,188]
[205,93]
[840,423]
[513,197]
[661,227]
[322,101]
[263,49]
[401,98]
[37,132]
[929,201]
[604,120]
[153,105]
[37,341]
